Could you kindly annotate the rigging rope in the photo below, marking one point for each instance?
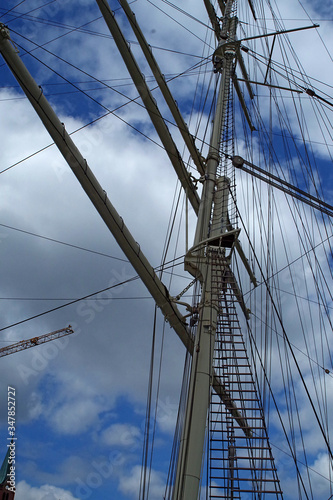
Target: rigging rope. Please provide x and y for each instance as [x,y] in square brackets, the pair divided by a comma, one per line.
[298,166]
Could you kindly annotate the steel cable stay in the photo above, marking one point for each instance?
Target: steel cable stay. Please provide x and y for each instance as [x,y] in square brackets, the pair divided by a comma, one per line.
[74,85]
[71,29]
[34,9]
[311,359]
[300,88]
[325,228]
[12,8]
[86,297]
[320,288]
[286,338]
[79,29]
[175,21]
[123,82]
[126,83]
[179,425]
[310,250]
[321,39]
[169,149]
[53,240]
[91,32]
[255,354]
[308,164]
[278,178]
[165,266]
[290,135]
[92,77]
[175,7]
[307,175]
[150,418]
[321,284]
[170,229]
[283,185]
[83,127]
[305,253]
[101,82]
[202,106]
[290,411]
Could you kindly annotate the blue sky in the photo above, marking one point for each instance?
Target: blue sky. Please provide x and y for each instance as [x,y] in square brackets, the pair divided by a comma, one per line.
[81,400]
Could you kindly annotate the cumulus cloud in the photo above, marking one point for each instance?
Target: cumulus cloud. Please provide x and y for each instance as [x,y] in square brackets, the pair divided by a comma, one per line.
[46,492]
[74,417]
[123,435]
[130,484]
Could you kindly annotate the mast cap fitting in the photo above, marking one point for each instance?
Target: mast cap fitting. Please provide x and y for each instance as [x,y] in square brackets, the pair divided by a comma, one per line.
[4,32]
[237,161]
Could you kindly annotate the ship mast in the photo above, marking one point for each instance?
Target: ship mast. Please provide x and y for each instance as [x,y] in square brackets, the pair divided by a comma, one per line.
[208,260]
[211,239]
[224,417]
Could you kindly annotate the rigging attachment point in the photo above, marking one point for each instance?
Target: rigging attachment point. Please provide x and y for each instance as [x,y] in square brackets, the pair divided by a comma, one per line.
[310,92]
[237,161]
[4,31]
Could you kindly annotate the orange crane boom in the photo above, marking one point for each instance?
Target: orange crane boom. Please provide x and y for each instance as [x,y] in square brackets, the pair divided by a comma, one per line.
[42,339]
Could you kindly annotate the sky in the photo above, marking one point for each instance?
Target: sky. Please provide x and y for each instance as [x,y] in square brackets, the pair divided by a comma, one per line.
[81,399]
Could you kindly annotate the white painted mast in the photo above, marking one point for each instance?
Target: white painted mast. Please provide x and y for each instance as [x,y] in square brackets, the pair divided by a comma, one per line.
[199,262]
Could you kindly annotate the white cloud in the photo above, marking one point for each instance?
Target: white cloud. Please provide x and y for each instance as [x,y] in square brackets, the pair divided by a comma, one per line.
[46,492]
[130,484]
[167,415]
[123,435]
[320,473]
[75,416]
[35,406]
